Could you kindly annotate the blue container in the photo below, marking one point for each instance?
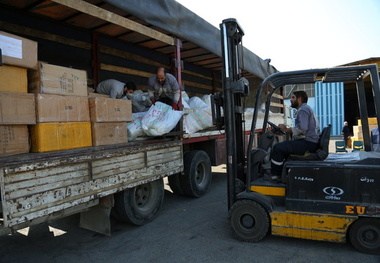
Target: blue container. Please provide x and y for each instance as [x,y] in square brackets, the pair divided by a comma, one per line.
[329,105]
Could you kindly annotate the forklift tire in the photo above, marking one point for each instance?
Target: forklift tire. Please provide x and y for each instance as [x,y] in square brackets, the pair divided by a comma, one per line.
[197,173]
[175,184]
[249,220]
[364,235]
[141,204]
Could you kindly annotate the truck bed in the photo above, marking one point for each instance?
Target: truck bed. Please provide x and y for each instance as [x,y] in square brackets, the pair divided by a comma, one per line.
[36,187]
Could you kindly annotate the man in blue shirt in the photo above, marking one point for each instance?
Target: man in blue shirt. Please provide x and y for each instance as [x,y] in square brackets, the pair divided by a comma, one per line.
[305,135]
[164,87]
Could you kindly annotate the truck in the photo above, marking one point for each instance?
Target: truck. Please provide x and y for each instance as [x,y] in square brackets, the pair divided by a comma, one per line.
[321,196]
[121,40]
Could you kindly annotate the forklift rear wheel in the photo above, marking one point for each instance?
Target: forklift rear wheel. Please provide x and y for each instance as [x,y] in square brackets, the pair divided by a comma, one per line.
[365,235]
[197,177]
[249,220]
[141,204]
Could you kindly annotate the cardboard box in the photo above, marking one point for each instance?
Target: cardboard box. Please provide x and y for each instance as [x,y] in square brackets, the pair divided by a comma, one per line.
[58,108]
[55,136]
[13,79]
[371,121]
[110,110]
[14,139]
[17,108]
[18,51]
[57,80]
[105,133]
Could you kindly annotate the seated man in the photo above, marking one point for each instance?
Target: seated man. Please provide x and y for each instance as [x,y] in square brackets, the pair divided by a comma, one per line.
[305,135]
[115,89]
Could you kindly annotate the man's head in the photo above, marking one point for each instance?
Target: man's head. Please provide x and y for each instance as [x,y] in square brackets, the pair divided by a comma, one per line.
[129,87]
[345,123]
[161,75]
[298,98]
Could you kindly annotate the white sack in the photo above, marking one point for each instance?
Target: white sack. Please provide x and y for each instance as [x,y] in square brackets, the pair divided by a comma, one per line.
[134,128]
[160,119]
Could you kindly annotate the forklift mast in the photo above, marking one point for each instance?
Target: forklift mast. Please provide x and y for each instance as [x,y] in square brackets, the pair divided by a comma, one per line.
[235,87]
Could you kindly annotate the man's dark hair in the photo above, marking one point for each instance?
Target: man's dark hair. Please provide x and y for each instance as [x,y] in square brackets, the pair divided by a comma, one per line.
[130,85]
[301,94]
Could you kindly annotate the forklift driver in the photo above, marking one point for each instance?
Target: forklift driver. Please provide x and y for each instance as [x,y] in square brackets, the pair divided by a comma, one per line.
[305,136]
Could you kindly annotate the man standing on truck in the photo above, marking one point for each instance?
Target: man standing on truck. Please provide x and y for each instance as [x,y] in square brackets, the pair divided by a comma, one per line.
[164,87]
[115,89]
[305,136]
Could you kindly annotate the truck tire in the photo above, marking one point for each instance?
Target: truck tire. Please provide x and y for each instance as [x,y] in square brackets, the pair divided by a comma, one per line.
[175,184]
[249,220]
[364,235]
[197,173]
[141,204]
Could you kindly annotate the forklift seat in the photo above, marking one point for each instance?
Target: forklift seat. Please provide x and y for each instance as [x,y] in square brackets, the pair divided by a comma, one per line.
[323,150]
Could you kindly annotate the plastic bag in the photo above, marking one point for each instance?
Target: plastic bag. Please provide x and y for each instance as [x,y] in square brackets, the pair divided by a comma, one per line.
[197,119]
[134,128]
[197,103]
[160,119]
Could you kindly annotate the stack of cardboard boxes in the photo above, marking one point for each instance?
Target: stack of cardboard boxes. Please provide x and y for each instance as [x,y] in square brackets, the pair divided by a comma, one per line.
[16,105]
[358,132]
[58,111]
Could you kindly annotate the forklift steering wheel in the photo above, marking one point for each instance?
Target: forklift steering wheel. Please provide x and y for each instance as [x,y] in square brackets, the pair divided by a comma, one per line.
[276,128]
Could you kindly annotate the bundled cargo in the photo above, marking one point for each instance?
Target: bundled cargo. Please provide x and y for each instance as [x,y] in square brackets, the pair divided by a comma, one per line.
[198,116]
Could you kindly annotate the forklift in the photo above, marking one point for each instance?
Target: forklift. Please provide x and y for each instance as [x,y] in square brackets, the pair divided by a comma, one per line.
[321,196]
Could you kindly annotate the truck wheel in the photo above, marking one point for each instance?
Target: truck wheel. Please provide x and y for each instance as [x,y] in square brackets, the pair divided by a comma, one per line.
[249,220]
[364,235]
[141,204]
[197,173]
[175,184]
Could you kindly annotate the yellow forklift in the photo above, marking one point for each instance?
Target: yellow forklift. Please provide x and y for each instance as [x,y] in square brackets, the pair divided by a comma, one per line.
[321,196]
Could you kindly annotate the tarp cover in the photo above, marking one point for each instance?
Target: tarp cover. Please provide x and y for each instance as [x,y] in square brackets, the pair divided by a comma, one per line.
[185,24]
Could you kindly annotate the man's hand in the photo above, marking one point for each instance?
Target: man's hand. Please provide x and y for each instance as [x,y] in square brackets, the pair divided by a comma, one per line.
[153,101]
[283,128]
[175,106]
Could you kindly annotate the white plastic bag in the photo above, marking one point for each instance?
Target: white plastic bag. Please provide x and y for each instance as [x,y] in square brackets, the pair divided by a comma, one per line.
[134,128]
[160,119]
[197,119]
[197,103]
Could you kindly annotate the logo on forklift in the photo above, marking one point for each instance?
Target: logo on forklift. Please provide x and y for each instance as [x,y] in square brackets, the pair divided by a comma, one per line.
[333,192]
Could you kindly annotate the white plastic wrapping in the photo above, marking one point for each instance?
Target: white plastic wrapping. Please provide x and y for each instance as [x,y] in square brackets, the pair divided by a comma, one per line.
[160,119]
[134,128]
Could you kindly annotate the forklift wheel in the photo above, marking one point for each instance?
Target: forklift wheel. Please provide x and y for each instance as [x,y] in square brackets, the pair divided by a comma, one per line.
[365,235]
[249,220]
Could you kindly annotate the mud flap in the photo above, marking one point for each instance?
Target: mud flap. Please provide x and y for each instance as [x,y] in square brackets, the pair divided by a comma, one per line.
[97,218]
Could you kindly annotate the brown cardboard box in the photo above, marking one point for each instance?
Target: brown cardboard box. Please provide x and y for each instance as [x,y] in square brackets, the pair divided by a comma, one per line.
[110,110]
[14,139]
[55,136]
[17,108]
[104,133]
[13,79]
[57,108]
[18,51]
[58,80]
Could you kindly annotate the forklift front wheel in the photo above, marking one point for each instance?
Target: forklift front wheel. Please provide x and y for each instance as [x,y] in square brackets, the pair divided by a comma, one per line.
[365,235]
[249,220]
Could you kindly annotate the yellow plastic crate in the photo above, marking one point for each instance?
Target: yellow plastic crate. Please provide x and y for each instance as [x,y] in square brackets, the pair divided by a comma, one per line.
[60,136]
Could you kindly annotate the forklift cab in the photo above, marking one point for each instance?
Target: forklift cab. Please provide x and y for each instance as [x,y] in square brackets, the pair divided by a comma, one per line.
[322,196]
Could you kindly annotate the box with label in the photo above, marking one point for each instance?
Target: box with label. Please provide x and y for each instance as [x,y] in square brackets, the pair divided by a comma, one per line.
[58,108]
[14,139]
[54,136]
[18,51]
[58,80]
[17,108]
[110,110]
[14,79]
[104,133]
